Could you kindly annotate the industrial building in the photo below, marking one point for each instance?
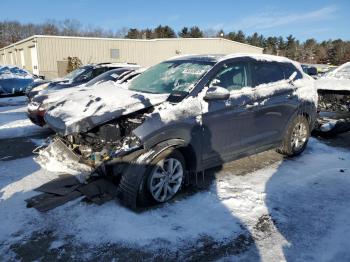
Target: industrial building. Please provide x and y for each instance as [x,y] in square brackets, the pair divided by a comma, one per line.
[47,55]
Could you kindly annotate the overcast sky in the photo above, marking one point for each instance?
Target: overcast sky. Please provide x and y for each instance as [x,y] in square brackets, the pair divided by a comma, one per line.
[319,19]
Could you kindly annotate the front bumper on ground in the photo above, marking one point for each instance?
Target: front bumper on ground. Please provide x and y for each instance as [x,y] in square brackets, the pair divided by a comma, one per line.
[332,123]
[58,157]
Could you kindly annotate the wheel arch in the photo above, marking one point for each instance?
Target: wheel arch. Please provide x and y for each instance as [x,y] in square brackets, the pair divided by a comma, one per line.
[186,149]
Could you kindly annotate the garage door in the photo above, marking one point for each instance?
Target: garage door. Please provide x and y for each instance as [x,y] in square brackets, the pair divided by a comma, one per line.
[23,63]
[34,56]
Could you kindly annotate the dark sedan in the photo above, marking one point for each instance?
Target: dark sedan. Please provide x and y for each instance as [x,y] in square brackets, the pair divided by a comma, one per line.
[40,103]
[77,77]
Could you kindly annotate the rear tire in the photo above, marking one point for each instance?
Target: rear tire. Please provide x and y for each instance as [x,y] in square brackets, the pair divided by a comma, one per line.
[296,137]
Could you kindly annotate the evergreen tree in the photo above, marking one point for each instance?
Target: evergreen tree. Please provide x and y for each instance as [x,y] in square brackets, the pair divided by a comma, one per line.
[195,32]
[164,32]
[133,33]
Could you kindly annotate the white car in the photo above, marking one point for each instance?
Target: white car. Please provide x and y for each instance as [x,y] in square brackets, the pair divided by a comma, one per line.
[334,101]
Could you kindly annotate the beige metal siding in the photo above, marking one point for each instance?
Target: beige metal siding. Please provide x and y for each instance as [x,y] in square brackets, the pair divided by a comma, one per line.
[143,52]
[15,49]
[52,49]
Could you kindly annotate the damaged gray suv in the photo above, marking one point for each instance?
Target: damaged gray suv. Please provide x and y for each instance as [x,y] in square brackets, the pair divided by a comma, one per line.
[181,117]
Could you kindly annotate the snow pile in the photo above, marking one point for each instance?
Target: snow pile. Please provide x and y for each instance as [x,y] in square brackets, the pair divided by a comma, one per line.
[83,110]
[15,123]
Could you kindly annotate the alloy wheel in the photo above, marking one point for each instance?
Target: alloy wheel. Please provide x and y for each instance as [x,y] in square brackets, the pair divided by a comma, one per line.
[299,136]
[166,179]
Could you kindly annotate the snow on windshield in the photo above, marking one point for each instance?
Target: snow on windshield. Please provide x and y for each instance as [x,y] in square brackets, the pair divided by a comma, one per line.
[74,73]
[168,77]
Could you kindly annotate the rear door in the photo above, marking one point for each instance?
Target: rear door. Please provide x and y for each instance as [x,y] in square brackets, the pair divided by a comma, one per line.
[274,102]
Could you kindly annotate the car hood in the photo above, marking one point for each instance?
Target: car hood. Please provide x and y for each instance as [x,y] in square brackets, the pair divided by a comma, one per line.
[330,83]
[91,107]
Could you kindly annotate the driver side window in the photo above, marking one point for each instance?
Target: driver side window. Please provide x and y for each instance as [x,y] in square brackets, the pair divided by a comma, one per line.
[231,76]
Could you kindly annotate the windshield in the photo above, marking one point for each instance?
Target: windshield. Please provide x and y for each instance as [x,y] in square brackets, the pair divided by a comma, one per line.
[170,76]
[75,73]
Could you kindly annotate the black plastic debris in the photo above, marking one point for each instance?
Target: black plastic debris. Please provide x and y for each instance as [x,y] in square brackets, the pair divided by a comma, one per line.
[46,201]
[67,188]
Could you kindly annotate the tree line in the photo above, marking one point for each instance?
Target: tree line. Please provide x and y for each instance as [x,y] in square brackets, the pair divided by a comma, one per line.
[333,52]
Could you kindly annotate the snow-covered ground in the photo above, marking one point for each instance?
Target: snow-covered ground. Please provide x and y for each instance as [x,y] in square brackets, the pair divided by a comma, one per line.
[295,209]
[13,119]
[292,210]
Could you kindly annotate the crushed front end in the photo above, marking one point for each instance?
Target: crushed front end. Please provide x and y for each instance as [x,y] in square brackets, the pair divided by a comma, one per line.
[333,112]
[86,153]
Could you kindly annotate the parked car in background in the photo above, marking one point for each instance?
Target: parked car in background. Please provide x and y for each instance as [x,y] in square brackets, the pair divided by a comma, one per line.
[183,116]
[77,77]
[334,101]
[15,80]
[310,70]
[39,104]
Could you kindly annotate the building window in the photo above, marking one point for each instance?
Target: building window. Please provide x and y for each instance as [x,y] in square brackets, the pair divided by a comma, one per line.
[115,53]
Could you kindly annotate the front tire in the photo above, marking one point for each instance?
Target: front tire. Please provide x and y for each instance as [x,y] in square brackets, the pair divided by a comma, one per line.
[296,137]
[163,178]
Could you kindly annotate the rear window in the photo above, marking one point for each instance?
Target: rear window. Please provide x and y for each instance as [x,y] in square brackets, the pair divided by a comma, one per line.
[100,70]
[266,72]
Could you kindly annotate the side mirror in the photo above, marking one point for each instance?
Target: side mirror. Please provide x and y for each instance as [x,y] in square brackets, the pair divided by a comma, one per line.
[292,77]
[216,93]
[312,71]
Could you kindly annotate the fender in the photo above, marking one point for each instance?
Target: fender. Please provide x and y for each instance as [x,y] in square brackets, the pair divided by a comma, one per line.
[307,108]
[159,148]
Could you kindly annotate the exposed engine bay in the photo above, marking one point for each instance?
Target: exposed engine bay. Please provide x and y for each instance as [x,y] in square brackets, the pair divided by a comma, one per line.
[106,141]
[333,111]
[334,100]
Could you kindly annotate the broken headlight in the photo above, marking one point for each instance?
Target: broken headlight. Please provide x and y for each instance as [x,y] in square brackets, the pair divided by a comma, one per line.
[131,142]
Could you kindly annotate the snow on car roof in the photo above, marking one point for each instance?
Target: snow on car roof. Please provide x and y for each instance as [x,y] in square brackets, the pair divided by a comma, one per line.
[221,57]
[205,58]
[260,57]
[10,71]
[118,65]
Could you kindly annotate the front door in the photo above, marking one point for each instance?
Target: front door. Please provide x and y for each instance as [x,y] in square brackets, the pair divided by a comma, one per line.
[222,123]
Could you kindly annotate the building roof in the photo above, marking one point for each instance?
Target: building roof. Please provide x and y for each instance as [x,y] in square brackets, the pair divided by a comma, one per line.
[127,39]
